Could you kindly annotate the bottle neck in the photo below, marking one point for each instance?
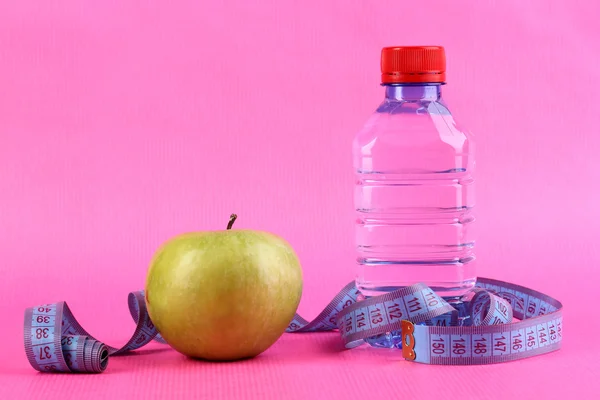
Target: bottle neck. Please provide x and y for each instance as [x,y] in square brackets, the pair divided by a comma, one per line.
[413,92]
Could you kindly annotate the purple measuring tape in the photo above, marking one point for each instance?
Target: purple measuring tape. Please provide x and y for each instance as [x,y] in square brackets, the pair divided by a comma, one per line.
[56,342]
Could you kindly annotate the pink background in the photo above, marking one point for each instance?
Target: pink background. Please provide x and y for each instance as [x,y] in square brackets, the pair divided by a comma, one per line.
[123,123]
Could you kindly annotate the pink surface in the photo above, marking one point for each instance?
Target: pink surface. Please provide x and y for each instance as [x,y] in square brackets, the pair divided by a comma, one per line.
[122,124]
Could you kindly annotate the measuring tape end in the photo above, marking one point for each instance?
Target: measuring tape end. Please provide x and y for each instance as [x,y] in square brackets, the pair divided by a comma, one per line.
[408,340]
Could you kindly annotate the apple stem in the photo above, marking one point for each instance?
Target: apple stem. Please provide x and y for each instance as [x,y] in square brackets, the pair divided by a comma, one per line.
[232,219]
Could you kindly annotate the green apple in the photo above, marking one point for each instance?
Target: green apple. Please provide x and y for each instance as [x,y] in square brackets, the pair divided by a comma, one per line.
[223,295]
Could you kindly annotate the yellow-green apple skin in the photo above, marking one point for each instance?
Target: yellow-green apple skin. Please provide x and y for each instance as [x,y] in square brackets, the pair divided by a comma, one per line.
[223,295]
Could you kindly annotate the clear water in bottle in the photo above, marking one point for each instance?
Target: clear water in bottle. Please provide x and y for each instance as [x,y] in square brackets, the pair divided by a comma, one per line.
[414,191]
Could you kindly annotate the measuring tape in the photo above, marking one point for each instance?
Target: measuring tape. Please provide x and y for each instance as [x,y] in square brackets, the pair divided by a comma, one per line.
[56,342]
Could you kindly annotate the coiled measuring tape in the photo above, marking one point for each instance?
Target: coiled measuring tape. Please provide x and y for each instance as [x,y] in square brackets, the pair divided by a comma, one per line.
[56,342]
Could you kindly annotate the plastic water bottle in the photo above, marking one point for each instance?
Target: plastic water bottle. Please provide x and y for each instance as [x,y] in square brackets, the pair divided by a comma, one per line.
[414,191]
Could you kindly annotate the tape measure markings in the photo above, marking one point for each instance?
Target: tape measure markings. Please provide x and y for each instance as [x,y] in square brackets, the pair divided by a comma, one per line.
[56,342]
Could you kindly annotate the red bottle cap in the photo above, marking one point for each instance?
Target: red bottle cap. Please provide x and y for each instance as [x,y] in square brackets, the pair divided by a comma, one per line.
[413,64]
